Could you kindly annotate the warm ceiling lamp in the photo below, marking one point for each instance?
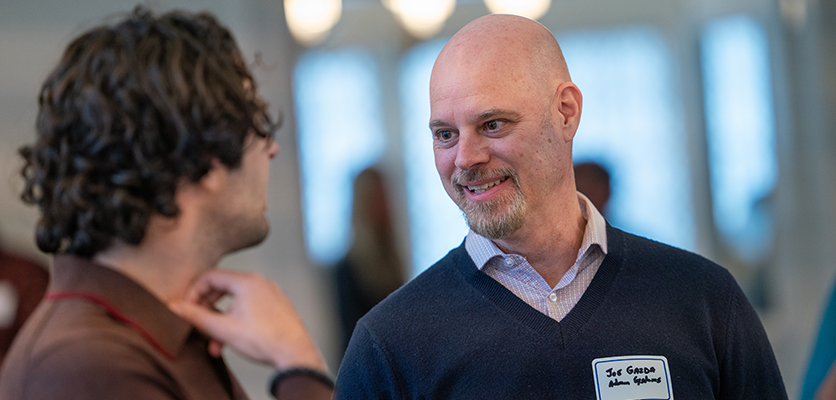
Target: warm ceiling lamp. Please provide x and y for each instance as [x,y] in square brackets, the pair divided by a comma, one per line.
[533,9]
[311,20]
[421,18]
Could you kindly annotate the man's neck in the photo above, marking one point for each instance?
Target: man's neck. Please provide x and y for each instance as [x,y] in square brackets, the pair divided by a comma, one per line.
[550,245]
[167,276]
[166,262]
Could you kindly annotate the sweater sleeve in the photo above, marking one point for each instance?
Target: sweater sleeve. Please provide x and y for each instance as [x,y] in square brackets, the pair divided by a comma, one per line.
[748,368]
[366,372]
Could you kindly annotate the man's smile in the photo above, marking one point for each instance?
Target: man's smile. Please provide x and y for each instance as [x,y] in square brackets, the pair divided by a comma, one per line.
[476,189]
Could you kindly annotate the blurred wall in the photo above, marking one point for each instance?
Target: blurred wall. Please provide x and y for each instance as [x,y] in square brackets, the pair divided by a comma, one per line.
[805,255]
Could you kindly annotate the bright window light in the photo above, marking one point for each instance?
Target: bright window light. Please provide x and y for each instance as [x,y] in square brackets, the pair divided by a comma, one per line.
[740,128]
[340,127]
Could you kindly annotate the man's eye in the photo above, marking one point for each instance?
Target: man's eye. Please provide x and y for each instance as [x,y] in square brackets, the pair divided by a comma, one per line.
[492,125]
[445,135]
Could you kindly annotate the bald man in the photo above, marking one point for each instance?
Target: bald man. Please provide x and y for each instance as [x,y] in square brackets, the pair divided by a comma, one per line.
[544,299]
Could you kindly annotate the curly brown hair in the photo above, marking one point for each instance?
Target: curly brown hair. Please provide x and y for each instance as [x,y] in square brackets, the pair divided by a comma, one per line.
[132,110]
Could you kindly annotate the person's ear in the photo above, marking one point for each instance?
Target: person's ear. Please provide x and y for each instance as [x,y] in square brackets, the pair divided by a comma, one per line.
[215,179]
[568,102]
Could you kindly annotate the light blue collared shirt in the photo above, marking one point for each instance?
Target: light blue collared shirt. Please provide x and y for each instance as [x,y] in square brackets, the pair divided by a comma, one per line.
[518,276]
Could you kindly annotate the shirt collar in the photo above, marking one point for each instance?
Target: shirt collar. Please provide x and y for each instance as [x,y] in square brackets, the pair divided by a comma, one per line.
[482,249]
[127,300]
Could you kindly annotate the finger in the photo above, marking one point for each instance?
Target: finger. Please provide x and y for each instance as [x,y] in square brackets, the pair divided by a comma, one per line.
[215,348]
[224,281]
[209,322]
[213,285]
[209,299]
[199,291]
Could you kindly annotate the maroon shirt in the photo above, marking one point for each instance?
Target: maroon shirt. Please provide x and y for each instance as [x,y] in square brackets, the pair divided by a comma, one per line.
[100,335]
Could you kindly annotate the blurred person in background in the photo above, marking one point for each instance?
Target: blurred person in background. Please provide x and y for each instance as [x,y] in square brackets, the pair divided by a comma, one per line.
[371,269]
[593,180]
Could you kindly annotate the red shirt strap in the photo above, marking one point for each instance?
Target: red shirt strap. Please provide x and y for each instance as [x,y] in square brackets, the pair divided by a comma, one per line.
[113,311]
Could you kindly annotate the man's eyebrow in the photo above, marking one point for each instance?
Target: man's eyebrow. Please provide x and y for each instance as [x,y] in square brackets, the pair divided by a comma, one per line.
[485,115]
[438,123]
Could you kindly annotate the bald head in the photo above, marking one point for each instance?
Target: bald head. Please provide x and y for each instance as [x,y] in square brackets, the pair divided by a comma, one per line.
[504,47]
[503,114]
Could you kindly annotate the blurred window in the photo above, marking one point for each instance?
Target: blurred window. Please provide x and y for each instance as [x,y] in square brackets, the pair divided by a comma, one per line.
[632,124]
[340,132]
[740,130]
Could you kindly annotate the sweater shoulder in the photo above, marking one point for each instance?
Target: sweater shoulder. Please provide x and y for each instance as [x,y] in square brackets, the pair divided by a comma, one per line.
[667,263]
[440,285]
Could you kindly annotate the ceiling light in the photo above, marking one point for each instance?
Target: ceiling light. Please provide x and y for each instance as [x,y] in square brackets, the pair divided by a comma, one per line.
[421,18]
[311,20]
[533,9]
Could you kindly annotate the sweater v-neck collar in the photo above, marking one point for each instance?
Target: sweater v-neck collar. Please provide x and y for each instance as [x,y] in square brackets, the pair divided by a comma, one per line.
[565,331]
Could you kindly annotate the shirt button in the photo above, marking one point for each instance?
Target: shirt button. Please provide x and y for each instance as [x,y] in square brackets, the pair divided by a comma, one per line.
[509,262]
[553,297]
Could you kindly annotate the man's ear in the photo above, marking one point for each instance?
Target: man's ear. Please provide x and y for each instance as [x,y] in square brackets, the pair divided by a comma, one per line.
[192,194]
[215,179]
[568,101]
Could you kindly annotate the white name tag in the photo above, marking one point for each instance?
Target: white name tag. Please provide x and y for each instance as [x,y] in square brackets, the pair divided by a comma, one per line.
[632,377]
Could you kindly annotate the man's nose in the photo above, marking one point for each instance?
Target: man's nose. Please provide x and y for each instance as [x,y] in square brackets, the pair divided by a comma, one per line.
[471,150]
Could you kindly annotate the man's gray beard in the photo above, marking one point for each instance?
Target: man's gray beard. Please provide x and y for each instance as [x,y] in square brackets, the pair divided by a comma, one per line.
[497,218]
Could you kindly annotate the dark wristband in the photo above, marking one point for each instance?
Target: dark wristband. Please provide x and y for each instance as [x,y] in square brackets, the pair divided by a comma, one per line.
[311,373]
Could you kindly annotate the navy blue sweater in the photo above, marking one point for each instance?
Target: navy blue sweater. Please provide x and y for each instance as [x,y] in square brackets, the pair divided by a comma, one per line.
[455,333]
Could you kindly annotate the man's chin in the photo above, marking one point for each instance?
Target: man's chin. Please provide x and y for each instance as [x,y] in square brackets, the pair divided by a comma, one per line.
[494,221]
[252,239]
[493,227]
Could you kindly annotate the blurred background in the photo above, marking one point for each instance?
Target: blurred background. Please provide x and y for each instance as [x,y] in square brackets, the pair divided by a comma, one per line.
[713,118]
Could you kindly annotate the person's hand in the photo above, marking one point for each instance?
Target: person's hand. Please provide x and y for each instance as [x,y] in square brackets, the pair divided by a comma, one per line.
[260,324]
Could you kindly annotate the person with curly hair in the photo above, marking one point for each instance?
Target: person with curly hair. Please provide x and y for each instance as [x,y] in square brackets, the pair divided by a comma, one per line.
[151,163]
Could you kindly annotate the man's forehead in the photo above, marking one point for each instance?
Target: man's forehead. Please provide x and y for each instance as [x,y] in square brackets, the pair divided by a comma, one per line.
[467,78]
[463,68]
[476,83]
[461,102]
